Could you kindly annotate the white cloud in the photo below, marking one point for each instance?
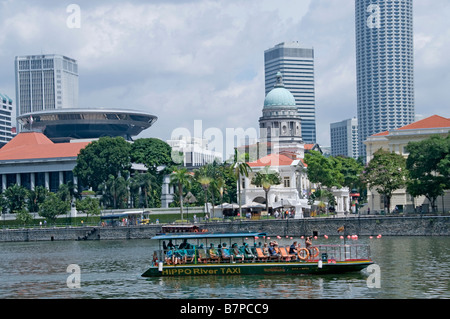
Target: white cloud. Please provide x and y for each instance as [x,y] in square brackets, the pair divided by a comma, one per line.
[188,60]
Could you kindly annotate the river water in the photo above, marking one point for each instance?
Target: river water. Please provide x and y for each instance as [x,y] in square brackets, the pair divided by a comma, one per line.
[410,268]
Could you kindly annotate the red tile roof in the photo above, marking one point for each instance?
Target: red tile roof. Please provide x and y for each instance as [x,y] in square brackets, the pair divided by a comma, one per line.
[272,160]
[33,145]
[434,121]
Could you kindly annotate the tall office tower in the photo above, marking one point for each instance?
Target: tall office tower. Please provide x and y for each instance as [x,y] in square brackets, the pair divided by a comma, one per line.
[344,138]
[5,119]
[384,66]
[296,64]
[45,82]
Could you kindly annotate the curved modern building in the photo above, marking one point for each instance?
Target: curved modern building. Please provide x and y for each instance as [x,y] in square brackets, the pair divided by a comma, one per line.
[63,125]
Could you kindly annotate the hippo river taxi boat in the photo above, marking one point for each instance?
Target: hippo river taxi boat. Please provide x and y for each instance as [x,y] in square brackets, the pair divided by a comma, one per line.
[193,254]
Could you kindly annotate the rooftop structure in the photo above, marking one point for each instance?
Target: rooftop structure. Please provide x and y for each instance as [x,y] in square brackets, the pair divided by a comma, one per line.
[67,124]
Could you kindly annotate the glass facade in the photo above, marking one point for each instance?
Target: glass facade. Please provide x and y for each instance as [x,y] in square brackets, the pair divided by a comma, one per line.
[385,66]
[296,64]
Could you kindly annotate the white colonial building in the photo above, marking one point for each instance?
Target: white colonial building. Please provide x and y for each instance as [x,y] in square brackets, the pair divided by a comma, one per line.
[396,141]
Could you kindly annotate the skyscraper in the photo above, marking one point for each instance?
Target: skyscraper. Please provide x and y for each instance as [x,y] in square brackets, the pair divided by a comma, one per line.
[385,66]
[344,138]
[45,82]
[296,64]
[5,119]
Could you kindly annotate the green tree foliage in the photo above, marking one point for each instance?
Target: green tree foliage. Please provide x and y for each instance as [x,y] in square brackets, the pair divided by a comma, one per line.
[323,170]
[102,158]
[15,196]
[265,179]
[386,173]
[114,192]
[88,206]
[240,168]
[141,186]
[182,180]
[36,197]
[424,163]
[151,152]
[53,206]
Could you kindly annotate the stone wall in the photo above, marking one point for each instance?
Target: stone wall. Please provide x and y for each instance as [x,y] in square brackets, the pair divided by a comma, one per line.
[386,226]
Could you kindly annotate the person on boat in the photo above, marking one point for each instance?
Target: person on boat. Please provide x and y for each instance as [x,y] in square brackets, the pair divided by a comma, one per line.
[170,245]
[237,254]
[248,251]
[293,248]
[184,244]
[266,250]
[308,242]
[272,249]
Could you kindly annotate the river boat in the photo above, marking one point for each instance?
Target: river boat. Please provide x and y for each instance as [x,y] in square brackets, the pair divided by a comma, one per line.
[216,254]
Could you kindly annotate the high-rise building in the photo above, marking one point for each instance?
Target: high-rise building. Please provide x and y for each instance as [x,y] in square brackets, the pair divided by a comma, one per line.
[6,109]
[385,66]
[45,82]
[296,64]
[344,138]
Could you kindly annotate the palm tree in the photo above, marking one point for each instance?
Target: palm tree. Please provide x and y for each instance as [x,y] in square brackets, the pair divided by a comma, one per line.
[202,177]
[240,167]
[265,179]
[180,178]
[145,182]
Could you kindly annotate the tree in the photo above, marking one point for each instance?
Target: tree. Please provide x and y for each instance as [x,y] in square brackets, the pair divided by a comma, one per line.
[88,206]
[265,179]
[53,206]
[15,196]
[143,184]
[151,152]
[240,168]
[181,179]
[386,173]
[423,164]
[324,171]
[201,176]
[114,192]
[36,197]
[102,158]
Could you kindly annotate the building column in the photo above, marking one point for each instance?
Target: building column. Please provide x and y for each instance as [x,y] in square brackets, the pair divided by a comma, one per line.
[18,179]
[32,181]
[4,181]
[47,180]
[61,178]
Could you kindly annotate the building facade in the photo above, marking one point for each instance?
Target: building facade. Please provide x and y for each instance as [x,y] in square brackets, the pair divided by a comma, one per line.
[384,66]
[396,141]
[296,63]
[45,82]
[6,109]
[344,138]
[280,124]
[193,151]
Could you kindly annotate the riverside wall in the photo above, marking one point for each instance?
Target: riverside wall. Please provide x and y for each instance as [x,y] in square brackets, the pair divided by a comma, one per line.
[367,226]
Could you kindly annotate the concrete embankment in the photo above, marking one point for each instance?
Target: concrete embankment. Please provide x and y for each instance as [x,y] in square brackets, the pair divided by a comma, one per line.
[367,226]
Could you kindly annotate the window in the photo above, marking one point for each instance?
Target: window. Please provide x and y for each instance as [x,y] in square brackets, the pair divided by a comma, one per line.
[287,182]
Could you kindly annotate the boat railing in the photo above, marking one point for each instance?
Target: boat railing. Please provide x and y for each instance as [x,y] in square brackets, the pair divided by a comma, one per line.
[199,255]
[344,252]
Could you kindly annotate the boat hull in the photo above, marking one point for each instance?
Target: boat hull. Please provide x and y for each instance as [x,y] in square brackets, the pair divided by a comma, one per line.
[279,268]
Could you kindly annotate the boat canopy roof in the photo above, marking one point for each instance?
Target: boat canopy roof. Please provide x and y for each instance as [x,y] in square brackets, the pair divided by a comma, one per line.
[206,235]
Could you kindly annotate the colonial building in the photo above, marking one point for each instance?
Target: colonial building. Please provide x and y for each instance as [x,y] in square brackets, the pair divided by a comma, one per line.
[396,141]
[281,136]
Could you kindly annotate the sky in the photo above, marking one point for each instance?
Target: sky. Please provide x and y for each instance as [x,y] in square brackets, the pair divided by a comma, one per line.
[203,60]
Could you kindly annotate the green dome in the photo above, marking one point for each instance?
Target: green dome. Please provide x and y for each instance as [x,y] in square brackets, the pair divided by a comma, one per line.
[279,96]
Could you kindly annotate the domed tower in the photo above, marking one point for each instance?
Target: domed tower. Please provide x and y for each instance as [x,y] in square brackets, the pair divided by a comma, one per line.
[280,124]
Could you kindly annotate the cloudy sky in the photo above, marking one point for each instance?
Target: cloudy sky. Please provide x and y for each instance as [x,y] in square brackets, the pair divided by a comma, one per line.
[186,60]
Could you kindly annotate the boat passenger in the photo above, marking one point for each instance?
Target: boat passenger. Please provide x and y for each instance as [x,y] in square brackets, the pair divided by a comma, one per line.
[237,254]
[184,244]
[170,245]
[293,248]
[308,242]
[273,252]
[266,250]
